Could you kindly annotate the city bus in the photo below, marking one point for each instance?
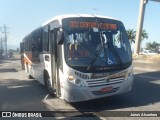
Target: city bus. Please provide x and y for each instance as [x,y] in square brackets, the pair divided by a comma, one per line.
[79,57]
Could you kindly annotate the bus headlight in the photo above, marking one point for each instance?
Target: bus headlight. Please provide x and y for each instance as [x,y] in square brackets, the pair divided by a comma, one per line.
[79,82]
[129,74]
[75,81]
[71,78]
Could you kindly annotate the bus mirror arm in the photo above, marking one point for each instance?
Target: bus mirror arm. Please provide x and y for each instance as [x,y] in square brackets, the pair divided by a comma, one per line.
[59,37]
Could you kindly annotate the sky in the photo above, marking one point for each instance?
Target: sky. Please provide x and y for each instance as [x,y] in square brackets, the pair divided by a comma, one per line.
[23,16]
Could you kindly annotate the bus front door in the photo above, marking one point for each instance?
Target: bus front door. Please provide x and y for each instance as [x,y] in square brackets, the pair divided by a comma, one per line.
[54,62]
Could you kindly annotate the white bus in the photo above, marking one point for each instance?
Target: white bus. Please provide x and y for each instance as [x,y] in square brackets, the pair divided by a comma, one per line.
[79,57]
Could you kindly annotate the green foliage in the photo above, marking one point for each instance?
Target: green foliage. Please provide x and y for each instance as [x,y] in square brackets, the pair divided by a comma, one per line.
[132,35]
[152,46]
[144,35]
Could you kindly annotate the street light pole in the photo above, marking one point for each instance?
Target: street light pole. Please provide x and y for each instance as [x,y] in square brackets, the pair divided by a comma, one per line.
[140,25]
[1,45]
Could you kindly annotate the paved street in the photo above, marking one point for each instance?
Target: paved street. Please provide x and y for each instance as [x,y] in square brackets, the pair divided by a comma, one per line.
[18,93]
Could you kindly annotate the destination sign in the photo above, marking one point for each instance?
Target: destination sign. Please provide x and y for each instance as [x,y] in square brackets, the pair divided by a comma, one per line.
[77,24]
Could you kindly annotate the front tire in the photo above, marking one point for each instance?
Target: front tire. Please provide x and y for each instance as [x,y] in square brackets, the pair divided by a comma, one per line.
[30,77]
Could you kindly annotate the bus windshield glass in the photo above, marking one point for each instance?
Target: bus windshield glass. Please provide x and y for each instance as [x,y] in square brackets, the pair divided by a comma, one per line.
[96,43]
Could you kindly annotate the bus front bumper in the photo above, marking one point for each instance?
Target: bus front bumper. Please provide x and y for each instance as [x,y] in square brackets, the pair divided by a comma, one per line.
[73,93]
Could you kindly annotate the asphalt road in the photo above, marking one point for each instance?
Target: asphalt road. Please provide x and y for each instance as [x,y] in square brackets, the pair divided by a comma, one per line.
[18,93]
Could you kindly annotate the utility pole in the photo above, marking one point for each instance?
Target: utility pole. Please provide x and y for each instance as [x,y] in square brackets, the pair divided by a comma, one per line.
[4,31]
[1,45]
[140,25]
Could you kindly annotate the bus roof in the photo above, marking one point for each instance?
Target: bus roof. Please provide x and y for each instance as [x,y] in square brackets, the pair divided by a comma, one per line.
[60,17]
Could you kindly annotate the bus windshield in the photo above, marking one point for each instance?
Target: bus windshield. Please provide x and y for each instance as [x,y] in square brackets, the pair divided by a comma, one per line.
[96,43]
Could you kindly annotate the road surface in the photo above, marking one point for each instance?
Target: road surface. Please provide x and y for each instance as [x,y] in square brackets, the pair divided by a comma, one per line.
[18,93]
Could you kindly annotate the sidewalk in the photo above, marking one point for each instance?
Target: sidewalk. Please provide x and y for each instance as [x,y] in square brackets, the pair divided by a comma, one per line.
[147,64]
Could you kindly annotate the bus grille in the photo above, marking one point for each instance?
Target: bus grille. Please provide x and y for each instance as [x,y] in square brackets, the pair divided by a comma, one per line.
[103,82]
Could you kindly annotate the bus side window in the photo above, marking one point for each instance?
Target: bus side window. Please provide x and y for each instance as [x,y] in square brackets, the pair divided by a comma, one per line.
[33,47]
[38,41]
[32,43]
[45,39]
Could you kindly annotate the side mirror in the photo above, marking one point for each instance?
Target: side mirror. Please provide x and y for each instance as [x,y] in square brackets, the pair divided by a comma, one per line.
[59,37]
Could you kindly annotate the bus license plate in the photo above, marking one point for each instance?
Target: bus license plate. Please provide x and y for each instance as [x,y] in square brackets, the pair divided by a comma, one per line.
[106,89]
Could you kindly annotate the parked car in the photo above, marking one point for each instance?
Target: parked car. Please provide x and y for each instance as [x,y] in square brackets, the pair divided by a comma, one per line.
[148,52]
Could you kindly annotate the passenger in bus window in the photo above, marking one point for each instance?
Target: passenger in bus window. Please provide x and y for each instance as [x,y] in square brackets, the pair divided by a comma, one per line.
[73,45]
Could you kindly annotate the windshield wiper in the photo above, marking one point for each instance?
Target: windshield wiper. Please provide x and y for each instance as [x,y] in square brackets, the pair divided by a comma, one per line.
[102,47]
[95,57]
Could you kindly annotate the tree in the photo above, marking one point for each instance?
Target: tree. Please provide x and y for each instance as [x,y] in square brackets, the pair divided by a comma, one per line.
[144,35]
[152,46]
[131,35]
[149,46]
[155,44]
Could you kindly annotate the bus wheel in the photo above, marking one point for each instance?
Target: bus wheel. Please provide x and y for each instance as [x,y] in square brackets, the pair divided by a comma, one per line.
[49,86]
[30,77]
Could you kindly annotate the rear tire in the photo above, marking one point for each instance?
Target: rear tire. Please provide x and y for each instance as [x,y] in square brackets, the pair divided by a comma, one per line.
[47,82]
